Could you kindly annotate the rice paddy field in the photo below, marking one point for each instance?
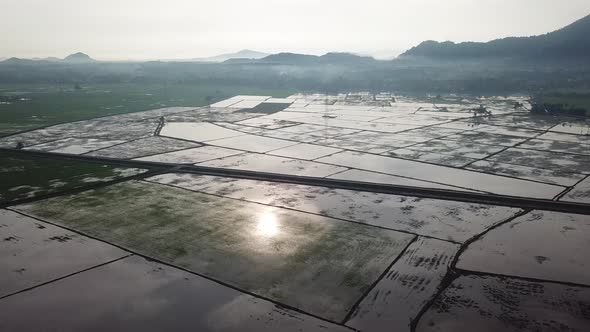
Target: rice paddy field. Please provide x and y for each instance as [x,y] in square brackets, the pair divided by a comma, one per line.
[24,107]
[307,212]
[23,176]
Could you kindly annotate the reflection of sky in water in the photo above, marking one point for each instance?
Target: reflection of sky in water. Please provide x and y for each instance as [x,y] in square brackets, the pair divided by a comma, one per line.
[267,225]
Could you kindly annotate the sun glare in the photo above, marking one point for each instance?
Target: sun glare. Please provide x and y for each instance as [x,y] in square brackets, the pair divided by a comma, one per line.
[268,225]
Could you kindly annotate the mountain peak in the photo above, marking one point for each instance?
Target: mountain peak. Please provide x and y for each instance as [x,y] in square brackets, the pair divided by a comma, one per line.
[249,54]
[78,57]
[241,55]
[290,58]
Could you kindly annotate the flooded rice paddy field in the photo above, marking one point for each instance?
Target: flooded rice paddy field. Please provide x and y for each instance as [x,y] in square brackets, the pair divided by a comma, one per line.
[448,220]
[486,303]
[179,249]
[270,251]
[445,143]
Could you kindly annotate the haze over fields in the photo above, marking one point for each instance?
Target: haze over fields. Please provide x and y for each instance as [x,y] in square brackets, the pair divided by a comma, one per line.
[552,60]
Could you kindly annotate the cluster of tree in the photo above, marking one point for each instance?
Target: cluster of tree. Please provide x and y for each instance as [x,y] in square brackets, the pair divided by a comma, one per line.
[9,99]
[558,109]
[404,76]
[559,103]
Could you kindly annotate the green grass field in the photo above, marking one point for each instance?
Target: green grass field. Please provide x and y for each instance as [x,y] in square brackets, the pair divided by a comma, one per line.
[24,176]
[576,103]
[573,100]
[46,105]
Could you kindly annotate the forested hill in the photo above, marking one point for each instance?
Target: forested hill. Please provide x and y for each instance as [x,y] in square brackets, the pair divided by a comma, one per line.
[572,41]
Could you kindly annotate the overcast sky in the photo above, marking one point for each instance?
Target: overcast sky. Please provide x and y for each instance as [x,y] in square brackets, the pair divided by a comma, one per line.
[149,29]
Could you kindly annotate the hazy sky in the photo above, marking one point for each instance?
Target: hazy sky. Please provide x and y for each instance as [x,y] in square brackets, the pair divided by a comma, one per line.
[150,29]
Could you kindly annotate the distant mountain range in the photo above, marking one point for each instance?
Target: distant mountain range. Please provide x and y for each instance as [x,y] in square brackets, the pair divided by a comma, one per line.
[51,58]
[72,58]
[241,57]
[333,57]
[336,58]
[572,41]
[243,54]
[84,58]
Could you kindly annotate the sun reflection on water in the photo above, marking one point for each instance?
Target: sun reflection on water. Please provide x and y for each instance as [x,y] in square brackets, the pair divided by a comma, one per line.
[268,225]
